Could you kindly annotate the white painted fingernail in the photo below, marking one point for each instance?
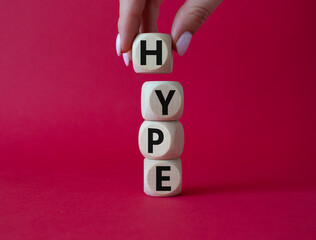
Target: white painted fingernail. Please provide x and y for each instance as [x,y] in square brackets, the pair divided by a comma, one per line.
[118,45]
[183,43]
[126,59]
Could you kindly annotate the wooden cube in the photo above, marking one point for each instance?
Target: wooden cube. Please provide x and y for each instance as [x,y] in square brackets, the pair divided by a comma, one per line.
[162,178]
[162,100]
[152,53]
[161,140]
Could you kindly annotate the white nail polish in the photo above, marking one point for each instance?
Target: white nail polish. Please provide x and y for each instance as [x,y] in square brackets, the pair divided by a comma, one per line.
[126,59]
[118,45]
[183,43]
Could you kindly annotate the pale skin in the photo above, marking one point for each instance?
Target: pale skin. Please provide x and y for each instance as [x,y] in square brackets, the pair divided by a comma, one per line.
[140,16]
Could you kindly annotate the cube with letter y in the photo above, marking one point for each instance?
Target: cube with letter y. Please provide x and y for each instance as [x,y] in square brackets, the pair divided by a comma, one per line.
[162,100]
[152,53]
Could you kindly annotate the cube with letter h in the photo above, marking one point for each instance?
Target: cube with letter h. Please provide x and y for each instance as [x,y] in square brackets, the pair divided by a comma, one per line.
[152,53]
[161,137]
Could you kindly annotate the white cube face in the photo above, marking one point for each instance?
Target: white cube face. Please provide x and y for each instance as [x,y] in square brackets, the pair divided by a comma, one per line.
[152,53]
[162,100]
[161,140]
[162,178]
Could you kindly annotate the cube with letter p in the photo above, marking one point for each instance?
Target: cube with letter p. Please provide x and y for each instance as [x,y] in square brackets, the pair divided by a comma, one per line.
[161,140]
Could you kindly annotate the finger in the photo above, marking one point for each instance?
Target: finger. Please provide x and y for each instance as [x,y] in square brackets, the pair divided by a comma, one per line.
[129,22]
[188,20]
[150,16]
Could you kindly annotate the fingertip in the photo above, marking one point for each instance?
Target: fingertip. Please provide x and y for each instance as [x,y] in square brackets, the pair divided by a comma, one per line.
[189,18]
[127,35]
[129,22]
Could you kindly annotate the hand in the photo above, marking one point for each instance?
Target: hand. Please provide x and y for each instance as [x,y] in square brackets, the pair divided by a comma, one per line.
[139,16]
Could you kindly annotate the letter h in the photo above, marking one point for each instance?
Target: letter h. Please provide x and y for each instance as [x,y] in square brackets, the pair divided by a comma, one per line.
[144,52]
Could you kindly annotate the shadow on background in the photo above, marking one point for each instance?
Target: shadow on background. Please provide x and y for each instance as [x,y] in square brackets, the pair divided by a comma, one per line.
[246,187]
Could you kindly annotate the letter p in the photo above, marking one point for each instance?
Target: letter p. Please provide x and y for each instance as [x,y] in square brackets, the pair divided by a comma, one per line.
[151,141]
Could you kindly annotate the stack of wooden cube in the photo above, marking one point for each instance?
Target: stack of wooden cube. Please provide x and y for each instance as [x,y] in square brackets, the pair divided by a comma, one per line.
[161,136]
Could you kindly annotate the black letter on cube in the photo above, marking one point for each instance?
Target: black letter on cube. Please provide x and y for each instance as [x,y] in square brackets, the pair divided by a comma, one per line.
[160,178]
[151,141]
[144,52]
[165,102]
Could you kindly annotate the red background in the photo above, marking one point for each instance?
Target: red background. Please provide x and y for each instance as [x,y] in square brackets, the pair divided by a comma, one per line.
[70,167]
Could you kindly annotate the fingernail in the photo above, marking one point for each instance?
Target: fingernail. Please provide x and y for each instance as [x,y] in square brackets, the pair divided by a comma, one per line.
[126,59]
[183,43]
[118,45]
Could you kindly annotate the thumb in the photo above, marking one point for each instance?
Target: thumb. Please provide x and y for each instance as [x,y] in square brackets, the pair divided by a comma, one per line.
[188,20]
